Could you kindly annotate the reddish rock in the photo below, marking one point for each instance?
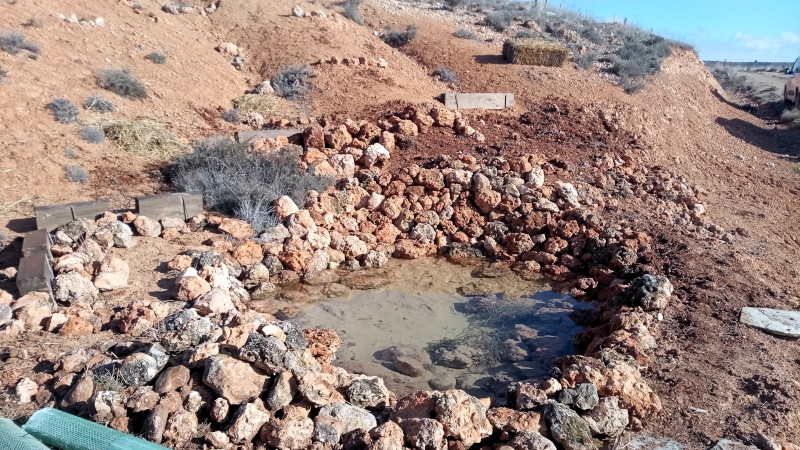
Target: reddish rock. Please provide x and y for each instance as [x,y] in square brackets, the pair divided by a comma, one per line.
[180,262]
[323,343]
[487,200]
[232,379]
[410,249]
[314,136]
[76,326]
[338,138]
[248,253]
[239,229]
[462,416]
[190,287]
[406,127]
[430,179]
[511,421]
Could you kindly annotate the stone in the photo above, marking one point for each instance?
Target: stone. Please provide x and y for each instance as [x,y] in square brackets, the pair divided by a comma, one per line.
[430,179]
[535,178]
[424,434]
[727,444]
[72,288]
[775,321]
[155,423]
[114,273]
[290,432]
[137,369]
[607,418]
[146,226]
[188,288]
[239,229]
[181,426]
[172,379]
[531,440]
[462,416]
[327,429]
[442,382]
[511,421]
[568,192]
[265,352]
[344,165]
[319,388]
[282,391]
[215,301]
[651,292]
[247,421]
[645,441]
[298,11]
[218,439]
[583,396]
[219,410]
[284,207]
[352,417]
[387,436]
[248,253]
[25,390]
[234,380]
[143,399]
[458,358]
[374,154]
[486,200]
[409,366]
[423,233]
[76,326]
[34,308]
[368,393]
[568,428]
[338,138]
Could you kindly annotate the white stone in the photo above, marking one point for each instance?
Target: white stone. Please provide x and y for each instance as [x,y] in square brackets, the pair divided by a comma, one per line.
[775,321]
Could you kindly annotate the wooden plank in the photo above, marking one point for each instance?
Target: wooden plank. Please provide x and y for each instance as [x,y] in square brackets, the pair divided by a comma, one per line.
[458,100]
[158,207]
[192,205]
[247,137]
[775,321]
[34,274]
[37,242]
[53,216]
[89,210]
[450,100]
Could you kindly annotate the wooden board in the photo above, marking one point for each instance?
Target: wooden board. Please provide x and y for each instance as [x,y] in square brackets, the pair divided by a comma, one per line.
[247,137]
[54,216]
[181,204]
[775,321]
[37,242]
[457,100]
[89,210]
[34,274]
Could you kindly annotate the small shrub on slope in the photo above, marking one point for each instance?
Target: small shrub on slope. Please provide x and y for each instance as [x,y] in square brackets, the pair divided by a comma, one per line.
[466,34]
[397,38]
[445,75]
[76,174]
[99,104]
[287,82]
[92,135]
[14,42]
[352,12]
[63,110]
[122,83]
[156,57]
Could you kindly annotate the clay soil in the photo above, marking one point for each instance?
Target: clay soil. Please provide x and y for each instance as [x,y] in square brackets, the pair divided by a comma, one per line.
[716,377]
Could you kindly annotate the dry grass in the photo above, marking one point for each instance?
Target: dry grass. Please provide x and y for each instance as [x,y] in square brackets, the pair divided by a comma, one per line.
[535,52]
[263,104]
[791,117]
[8,206]
[145,138]
[18,413]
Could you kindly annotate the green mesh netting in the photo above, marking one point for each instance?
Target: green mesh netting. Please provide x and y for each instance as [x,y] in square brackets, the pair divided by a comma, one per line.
[68,432]
[15,437]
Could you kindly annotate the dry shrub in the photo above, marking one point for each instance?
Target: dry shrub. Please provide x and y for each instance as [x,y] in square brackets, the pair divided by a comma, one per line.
[143,137]
[535,52]
[262,104]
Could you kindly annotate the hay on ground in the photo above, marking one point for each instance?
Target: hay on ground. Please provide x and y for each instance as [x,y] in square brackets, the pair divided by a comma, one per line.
[265,105]
[535,52]
[146,138]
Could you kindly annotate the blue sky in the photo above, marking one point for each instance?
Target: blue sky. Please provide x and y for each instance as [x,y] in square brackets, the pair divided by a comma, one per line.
[733,30]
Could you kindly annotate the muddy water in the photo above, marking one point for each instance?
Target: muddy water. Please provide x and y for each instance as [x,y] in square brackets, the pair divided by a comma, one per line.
[472,326]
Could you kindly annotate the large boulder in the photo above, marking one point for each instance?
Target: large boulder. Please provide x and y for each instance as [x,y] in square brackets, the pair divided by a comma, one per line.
[651,292]
[463,416]
[114,273]
[568,428]
[232,379]
[267,353]
[72,288]
[247,421]
[352,417]
[607,418]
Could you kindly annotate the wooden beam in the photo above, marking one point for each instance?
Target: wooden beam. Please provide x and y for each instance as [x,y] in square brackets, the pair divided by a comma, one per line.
[35,274]
[181,204]
[478,100]
[54,216]
[247,137]
[37,242]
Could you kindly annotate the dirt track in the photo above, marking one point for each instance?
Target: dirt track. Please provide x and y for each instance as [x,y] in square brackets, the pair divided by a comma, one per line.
[716,377]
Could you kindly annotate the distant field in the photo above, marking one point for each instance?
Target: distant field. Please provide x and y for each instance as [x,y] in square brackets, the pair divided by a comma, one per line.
[748,66]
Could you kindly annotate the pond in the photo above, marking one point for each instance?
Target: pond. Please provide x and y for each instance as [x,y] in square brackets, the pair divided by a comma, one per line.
[433,324]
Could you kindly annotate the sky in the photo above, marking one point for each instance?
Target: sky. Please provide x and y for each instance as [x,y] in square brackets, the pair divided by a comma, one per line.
[732,30]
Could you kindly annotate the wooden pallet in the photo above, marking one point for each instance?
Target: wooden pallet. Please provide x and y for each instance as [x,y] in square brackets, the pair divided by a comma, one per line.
[456,100]
[54,216]
[182,204]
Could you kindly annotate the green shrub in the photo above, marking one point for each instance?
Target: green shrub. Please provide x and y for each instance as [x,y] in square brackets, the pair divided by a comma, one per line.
[397,38]
[466,34]
[63,110]
[235,180]
[287,82]
[352,12]
[122,83]
[156,57]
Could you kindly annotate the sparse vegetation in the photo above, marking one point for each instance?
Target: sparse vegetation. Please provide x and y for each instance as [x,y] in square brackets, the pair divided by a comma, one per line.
[122,83]
[144,138]
[14,42]
[108,381]
[98,103]
[397,38]
[232,115]
[352,12]
[499,20]
[639,56]
[249,103]
[791,117]
[92,135]
[33,22]
[235,180]
[586,60]
[287,83]
[76,174]
[63,110]
[445,75]
[156,57]
[70,153]
[466,34]
[3,73]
